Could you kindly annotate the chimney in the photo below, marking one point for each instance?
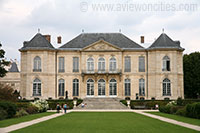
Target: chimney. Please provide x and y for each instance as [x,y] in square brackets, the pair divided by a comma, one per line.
[48,37]
[59,40]
[142,39]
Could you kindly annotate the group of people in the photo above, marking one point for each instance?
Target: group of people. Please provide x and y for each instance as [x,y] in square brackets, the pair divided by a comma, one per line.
[58,107]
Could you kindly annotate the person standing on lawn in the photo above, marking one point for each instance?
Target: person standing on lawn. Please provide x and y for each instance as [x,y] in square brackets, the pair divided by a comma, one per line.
[65,107]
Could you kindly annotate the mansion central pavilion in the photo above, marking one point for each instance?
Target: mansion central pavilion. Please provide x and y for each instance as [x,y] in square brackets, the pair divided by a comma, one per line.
[101,65]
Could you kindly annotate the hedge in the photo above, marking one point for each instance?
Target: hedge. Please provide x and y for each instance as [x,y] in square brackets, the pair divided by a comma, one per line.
[8,109]
[53,103]
[149,104]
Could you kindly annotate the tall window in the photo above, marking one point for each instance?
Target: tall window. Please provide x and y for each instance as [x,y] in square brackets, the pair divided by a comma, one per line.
[101,64]
[75,87]
[127,64]
[90,87]
[166,87]
[36,87]
[61,64]
[90,64]
[113,64]
[37,64]
[141,64]
[127,85]
[141,87]
[75,64]
[101,87]
[166,63]
[61,87]
[113,87]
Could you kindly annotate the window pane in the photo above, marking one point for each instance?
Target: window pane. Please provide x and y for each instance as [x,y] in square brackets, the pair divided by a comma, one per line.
[127,64]
[61,64]
[75,64]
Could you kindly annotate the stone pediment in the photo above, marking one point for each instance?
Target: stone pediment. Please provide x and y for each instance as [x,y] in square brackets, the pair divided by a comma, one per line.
[101,46]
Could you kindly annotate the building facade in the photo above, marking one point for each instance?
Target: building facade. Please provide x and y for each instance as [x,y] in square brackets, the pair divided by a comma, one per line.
[101,65]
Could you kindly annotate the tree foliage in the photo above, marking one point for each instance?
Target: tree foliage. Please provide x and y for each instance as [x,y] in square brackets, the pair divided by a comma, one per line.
[7,93]
[3,62]
[191,69]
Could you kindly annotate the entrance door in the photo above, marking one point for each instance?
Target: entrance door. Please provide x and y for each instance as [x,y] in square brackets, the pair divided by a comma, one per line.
[90,87]
[101,87]
[113,87]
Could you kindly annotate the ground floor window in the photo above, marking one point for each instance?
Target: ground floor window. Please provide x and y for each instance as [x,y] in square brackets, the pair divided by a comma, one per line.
[141,87]
[127,85]
[166,87]
[61,87]
[101,87]
[90,87]
[36,87]
[75,87]
[113,87]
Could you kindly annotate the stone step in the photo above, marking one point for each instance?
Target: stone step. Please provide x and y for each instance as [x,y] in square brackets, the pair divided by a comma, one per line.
[101,103]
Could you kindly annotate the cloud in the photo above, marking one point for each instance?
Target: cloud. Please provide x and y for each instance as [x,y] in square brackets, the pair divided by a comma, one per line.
[21,19]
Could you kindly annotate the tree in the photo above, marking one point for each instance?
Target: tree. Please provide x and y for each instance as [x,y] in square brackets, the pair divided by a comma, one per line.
[3,62]
[7,93]
[191,69]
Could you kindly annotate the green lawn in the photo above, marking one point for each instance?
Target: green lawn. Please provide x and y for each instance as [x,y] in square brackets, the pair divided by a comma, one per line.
[8,122]
[178,118]
[104,122]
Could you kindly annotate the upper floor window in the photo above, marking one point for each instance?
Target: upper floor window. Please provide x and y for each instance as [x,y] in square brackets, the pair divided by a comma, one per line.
[127,84]
[141,64]
[141,87]
[37,64]
[75,64]
[90,64]
[101,64]
[166,63]
[113,64]
[166,87]
[36,87]
[127,64]
[61,64]
[61,88]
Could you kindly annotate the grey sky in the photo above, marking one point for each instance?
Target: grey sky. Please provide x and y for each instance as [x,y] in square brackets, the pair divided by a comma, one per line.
[19,20]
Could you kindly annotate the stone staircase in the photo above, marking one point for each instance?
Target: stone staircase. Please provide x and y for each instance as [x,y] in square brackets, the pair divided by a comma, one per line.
[102,104]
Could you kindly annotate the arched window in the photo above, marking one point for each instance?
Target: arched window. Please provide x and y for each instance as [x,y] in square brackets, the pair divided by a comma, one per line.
[127,85]
[113,64]
[166,87]
[37,64]
[141,87]
[36,87]
[90,64]
[166,63]
[113,87]
[75,87]
[101,87]
[101,64]
[61,87]
[90,87]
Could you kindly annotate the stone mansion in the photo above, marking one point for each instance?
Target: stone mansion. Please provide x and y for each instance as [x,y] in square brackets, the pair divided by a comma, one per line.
[101,65]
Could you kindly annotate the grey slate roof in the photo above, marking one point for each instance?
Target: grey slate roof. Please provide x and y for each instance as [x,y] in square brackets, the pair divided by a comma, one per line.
[13,68]
[165,41]
[37,42]
[86,39]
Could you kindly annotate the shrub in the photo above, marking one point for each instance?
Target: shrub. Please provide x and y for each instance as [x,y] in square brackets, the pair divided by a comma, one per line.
[3,114]
[7,93]
[9,107]
[181,112]
[21,113]
[22,105]
[42,105]
[32,109]
[174,109]
[179,101]
[165,109]
[193,110]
